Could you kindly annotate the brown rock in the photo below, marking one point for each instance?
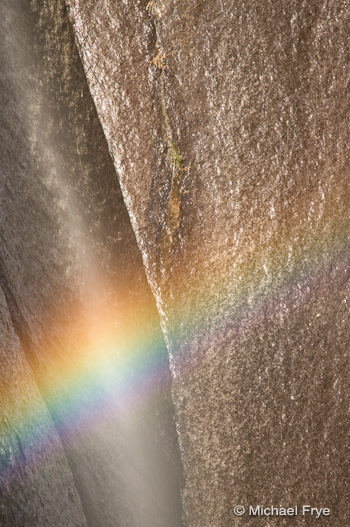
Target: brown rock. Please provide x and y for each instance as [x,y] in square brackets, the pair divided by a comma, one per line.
[228,125]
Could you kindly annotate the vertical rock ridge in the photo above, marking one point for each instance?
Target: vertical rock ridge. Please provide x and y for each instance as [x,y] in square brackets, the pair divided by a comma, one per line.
[172,215]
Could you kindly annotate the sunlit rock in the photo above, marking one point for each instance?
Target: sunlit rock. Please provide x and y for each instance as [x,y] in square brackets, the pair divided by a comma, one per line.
[228,126]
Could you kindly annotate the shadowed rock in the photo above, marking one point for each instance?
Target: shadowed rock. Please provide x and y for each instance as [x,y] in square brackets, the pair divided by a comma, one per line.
[36,485]
[76,291]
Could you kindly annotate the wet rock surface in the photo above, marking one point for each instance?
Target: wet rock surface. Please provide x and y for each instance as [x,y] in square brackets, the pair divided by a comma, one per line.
[36,485]
[75,287]
[228,126]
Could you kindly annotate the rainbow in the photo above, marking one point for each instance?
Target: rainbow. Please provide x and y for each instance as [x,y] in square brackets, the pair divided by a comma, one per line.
[121,371]
[115,376]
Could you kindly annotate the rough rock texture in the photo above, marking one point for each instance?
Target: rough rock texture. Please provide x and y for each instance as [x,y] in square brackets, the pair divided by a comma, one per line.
[36,485]
[72,274]
[228,123]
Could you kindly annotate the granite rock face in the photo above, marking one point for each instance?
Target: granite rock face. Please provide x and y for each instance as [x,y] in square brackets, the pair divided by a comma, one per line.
[78,299]
[228,123]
